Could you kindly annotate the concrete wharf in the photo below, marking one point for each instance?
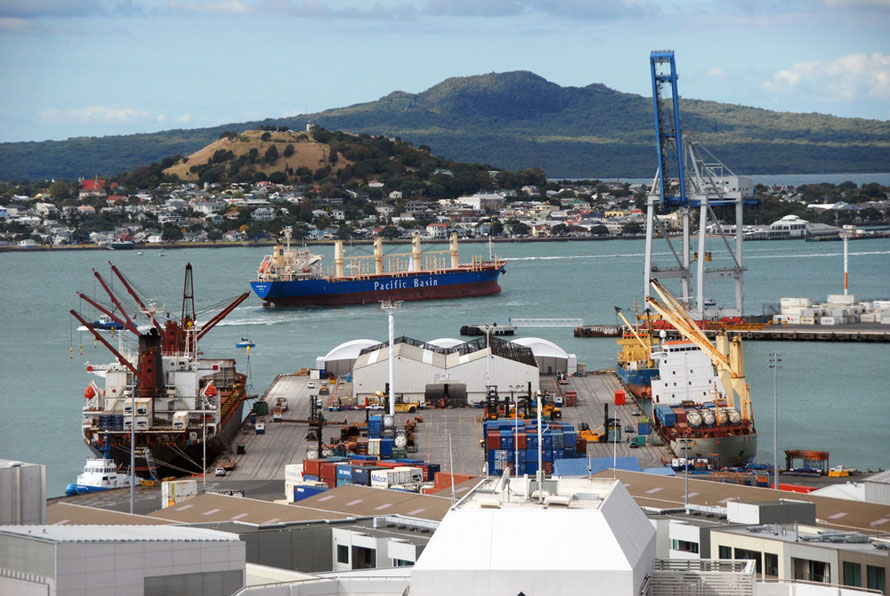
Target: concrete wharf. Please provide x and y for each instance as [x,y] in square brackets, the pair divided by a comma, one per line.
[450,437]
[858,332]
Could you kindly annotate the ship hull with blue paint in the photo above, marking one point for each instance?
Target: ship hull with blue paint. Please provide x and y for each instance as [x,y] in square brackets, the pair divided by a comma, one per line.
[463,282]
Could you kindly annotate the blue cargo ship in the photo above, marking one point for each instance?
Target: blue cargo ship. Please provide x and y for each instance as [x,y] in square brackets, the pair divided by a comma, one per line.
[295,278]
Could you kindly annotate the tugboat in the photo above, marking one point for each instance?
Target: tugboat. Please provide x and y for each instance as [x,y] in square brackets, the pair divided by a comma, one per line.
[177,401]
[98,474]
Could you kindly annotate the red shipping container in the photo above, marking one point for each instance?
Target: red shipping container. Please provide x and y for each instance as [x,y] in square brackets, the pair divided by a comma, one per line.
[619,397]
[329,471]
[443,479]
[388,463]
[311,466]
[680,413]
[519,441]
[581,446]
[363,462]
[493,440]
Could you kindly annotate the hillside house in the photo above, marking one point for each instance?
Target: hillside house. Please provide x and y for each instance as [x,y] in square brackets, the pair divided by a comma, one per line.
[437,230]
[263,214]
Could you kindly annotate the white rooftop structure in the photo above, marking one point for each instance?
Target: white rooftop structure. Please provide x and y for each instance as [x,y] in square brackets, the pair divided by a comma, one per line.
[341,359]
[445,342]
[587,532]
[549,356]
[50,559]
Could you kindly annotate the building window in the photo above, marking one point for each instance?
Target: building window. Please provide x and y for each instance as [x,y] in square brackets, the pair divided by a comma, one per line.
[741,553]
[876,578]
[685,546]
[725,552]
[771,564]
[852,574]
[401,563]
[342,553]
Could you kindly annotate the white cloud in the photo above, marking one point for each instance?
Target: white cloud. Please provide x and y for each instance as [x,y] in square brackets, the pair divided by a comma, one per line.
[226,6]
[187,117]
[15,24]
[715,72]
[844,79]
[95,115]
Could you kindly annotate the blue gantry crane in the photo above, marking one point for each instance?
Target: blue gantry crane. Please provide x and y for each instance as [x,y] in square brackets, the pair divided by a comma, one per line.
[690,177]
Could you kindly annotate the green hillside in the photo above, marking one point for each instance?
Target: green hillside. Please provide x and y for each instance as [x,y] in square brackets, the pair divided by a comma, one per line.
[519,120]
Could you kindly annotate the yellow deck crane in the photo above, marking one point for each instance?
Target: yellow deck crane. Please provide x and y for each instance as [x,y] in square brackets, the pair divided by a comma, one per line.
[726,355]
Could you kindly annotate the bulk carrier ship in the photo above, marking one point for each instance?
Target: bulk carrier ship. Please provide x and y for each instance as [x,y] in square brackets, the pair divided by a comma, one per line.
[185,409]
[701,401]
[291,277]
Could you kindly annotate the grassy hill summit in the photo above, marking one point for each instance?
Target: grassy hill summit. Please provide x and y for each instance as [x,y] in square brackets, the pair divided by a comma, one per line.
[512,120]
[286,153]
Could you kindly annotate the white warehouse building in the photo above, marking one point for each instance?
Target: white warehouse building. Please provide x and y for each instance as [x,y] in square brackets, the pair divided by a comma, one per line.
[454,371]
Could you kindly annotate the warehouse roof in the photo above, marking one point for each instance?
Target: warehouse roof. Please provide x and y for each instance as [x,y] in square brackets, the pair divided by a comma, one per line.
[349,350]
[341,503]
[61,514]
[666,492]
[541,347]
[119,533]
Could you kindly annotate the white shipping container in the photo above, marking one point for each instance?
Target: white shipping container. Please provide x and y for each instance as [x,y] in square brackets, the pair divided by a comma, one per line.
[827,321]
[885,321]
[180,420]
[795,302]
[293,473]
[881,304]
[404,474]
[808,320]
[176,491]
[807,312]
[289,491]
[792,319]
[373,446]
[384,478]
[842,299]
[869,317]
[416,474]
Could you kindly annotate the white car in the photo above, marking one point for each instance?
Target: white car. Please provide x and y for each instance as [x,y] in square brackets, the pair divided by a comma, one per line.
[375,407]
[310,385]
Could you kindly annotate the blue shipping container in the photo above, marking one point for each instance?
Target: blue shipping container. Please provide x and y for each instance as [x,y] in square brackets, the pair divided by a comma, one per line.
[304,492]
[344,471]
[644,428]
[386,447]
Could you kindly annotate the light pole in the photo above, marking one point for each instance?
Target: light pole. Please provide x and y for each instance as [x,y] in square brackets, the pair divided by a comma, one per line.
[391,306]
[775,363]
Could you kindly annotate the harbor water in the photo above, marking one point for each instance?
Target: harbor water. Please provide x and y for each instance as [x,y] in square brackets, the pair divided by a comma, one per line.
[831,396]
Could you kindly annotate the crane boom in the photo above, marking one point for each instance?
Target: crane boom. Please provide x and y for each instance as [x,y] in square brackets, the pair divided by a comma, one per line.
[727,355]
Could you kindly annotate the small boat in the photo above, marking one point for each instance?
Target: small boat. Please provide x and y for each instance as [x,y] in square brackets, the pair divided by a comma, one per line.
[107,323]
[244,343]
[710,302]
[98,474]
[140,253]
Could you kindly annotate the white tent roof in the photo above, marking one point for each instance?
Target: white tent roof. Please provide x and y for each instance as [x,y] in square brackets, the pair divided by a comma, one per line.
[445,342]
[541,347]
[349,350]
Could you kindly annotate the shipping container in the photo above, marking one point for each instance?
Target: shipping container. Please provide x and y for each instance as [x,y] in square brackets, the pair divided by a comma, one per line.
[619,397]
[302,491]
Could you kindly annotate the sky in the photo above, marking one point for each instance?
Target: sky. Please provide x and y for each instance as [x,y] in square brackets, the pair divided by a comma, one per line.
[101,67]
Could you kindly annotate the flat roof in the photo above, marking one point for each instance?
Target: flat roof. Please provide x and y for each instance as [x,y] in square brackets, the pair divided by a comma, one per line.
[341,503]
[59,514]
[118,533]
[354,500]
[221,508]
[569,493]
[667,492]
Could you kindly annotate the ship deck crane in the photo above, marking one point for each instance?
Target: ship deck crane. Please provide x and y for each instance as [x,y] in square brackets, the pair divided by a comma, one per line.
[726,355]
[689,177]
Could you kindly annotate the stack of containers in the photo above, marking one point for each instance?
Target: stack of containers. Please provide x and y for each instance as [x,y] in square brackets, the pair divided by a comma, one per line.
[665,415]
[375,426]
[508,444]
